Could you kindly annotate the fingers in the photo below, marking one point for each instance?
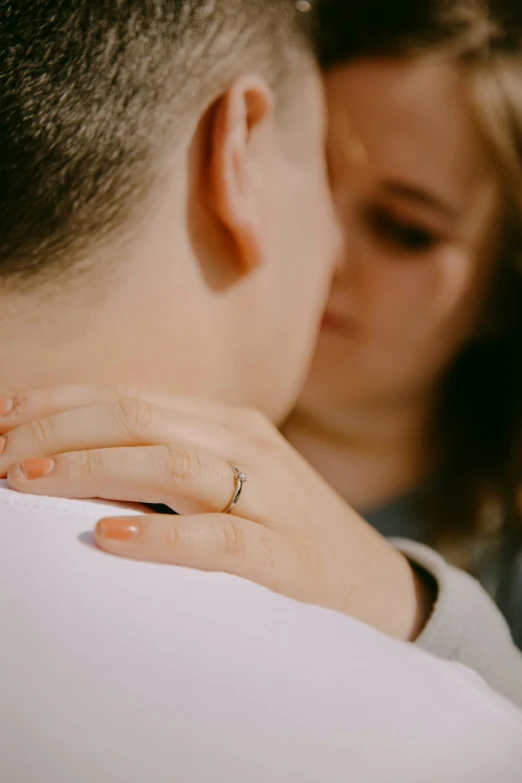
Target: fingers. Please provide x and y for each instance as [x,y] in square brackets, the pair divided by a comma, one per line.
[17,409]
[214,542]
[129,422]
[190,481]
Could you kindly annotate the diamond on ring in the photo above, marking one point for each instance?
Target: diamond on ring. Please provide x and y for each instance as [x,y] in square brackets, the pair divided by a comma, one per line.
[241,478]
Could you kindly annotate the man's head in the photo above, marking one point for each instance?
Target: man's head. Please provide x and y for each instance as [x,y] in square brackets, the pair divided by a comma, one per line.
[163,199]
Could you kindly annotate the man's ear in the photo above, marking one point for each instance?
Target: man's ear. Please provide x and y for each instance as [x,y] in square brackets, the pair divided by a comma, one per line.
[233,175]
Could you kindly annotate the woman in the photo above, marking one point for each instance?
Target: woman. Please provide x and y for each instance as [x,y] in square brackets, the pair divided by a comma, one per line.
[414,405]
[430,210]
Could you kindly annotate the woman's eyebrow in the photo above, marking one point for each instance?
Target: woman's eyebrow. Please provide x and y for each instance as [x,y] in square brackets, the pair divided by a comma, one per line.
[414,193]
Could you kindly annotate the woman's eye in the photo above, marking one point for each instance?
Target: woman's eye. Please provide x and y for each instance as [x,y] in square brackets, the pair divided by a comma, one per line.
[402,234]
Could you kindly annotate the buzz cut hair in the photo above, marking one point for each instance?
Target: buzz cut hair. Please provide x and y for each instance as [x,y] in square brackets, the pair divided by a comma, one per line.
[90,92]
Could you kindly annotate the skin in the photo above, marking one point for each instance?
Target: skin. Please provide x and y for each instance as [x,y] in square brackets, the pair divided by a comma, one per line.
[250,232]
[225,231]
[418,202]
[288,532]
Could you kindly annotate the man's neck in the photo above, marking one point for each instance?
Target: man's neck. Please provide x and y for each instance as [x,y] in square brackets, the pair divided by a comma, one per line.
[109,325]
[370,456]
[42,342]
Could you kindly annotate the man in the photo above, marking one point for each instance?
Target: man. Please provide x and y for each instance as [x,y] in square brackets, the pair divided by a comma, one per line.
[163,197]
[163,191]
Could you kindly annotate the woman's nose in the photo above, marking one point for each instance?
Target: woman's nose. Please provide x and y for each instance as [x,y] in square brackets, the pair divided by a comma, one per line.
[348,267]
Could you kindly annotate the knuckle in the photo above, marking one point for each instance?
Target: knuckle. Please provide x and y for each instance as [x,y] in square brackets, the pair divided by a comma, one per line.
[181,464]
[248,416]
[130,391]
[20,404]
[254,421]
[41,430]
[172,538]
[275,455]
[89,463]
[134,414]
[232,537]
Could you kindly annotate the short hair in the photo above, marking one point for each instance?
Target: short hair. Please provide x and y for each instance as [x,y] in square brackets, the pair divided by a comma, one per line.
[90,92]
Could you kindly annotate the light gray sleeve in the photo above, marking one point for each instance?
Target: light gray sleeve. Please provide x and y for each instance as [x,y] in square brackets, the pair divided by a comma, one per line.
[466,625]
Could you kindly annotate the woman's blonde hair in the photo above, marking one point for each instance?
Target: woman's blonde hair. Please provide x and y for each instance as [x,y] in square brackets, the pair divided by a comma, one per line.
[478,427]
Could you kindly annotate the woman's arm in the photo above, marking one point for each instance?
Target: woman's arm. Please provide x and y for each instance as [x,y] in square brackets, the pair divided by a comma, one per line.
[290,532]
[466,625]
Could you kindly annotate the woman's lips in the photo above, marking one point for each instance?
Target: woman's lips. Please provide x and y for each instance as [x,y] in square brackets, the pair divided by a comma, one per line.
[333,322]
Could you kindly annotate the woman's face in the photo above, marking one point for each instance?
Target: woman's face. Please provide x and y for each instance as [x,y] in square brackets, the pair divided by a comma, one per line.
[418,203]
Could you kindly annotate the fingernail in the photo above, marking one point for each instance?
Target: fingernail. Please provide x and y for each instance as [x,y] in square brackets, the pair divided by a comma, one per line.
[118,529]
[36,468]
[3,444]
[6,406]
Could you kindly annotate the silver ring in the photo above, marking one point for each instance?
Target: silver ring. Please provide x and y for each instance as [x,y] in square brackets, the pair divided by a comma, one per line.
[240,480]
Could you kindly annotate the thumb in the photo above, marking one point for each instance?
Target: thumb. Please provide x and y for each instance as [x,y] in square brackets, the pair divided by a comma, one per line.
[209,542]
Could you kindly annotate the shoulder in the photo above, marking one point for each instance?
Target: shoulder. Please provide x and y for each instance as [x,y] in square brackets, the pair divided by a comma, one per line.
[18,506]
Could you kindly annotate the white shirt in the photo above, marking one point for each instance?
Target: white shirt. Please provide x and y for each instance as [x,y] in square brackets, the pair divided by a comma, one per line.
[113,671]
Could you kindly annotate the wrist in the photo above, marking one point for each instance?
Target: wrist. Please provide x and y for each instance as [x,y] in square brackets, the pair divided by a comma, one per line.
[394,595]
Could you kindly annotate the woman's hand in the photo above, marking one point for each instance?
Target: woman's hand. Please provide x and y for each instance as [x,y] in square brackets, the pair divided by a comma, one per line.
[289,531]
